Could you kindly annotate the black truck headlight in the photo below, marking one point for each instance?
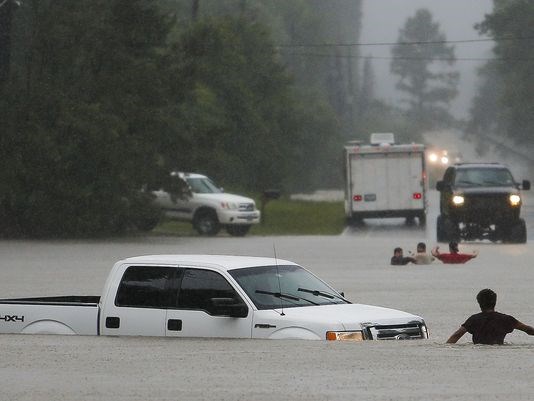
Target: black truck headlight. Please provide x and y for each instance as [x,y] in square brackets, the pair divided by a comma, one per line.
[458,200]
[515,200]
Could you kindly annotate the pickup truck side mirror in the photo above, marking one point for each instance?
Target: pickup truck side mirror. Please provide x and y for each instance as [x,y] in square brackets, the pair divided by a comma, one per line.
[228,307]
[440,186]
[526,185]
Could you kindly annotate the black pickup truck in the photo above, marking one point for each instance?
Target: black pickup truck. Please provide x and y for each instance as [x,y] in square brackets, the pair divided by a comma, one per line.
[480,201]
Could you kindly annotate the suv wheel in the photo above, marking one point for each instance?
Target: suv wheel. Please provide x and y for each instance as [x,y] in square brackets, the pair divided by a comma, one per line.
[206,223]
[238,230]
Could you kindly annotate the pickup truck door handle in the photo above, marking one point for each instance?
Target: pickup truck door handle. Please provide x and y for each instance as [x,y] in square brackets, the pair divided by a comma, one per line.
[174,325]
[113,322]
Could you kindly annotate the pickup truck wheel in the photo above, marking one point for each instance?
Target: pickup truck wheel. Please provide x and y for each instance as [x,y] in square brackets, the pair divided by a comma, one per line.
[238,230]
[440,234]
[147,224]
[518,232]
[447,229]
[206,223]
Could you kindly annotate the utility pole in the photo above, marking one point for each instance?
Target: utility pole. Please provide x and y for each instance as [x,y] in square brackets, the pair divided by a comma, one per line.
[6,14]
[242,7]
[194,9]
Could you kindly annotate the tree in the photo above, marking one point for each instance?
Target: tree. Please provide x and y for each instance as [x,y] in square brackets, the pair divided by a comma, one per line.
[239,115]
[302,27]
[512,23]
[103,98]
[81,116]
[419,47]
[485,112]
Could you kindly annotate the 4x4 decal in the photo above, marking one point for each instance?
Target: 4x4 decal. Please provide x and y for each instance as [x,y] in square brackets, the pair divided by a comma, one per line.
[12,318]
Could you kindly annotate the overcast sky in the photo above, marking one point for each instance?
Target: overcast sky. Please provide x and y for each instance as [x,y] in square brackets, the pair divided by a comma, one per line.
[382,20]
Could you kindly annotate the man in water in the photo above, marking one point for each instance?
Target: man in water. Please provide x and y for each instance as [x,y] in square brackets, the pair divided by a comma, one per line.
[399,259]
[489,327]
[453,257]
[421,257]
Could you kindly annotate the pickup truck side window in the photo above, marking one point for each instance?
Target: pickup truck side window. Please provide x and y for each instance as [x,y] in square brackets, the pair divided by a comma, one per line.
[146,287]
[200,286]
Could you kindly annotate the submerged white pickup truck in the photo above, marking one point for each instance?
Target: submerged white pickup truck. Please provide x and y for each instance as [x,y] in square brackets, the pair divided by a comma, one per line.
[210,296]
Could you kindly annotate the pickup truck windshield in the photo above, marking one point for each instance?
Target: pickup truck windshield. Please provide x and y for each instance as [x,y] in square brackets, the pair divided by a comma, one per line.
[272,287]
[203,186]
[476,177]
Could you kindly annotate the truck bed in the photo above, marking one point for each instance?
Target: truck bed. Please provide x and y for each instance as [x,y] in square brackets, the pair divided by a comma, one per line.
[77,300]
[71,314]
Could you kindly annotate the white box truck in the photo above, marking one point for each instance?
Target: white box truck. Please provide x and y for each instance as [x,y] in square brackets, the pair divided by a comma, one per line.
[384,179]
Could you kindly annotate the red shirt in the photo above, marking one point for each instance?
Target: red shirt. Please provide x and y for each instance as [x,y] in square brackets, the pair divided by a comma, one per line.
[454,258]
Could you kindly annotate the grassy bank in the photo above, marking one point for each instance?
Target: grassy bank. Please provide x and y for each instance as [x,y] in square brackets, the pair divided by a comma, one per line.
[281,217]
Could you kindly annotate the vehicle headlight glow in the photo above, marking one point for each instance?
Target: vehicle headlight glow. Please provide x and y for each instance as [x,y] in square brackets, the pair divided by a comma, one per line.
[344,336]
[458,200]
[432,157]
[515,200]
[444,160]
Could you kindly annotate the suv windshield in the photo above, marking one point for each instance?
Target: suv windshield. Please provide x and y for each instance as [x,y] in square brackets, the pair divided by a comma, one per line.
[271,287]
[203,186]
[474,177]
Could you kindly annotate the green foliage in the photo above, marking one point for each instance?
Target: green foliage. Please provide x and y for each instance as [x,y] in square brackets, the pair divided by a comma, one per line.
[238,112]
[485,113]
[105,97]
[513,19]
[282,217]
[81,116]
[429,92]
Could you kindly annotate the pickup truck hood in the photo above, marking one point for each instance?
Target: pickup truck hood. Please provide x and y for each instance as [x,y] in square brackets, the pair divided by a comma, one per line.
[350,316]
[223,197]
[486,190]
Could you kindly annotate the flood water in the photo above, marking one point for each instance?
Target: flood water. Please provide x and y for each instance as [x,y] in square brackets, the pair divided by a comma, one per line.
[120,368]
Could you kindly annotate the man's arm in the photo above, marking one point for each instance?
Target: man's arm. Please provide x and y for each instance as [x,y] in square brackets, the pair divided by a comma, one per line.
[523,327]
[435,251]
[457,335]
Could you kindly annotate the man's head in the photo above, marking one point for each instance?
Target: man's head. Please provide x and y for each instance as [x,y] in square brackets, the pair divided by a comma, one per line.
[487,299]
[421,247]
[397,251]
[453,247]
